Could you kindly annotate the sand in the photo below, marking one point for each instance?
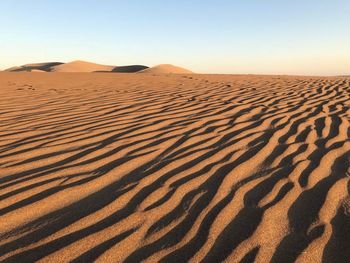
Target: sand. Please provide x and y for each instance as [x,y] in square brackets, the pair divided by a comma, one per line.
[174,168]
[81,66]
[34,67]
[166,69]
[75,66]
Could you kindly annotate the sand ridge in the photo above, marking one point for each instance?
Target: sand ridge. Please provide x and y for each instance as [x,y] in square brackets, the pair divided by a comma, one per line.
[197,168]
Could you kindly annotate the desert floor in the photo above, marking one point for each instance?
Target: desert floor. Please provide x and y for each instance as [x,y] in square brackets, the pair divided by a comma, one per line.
[174,168]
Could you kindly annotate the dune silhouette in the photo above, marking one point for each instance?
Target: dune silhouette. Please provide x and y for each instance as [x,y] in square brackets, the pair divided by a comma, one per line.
[129,69]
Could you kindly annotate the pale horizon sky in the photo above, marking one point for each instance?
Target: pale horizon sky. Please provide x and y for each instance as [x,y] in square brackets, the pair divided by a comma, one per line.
[300,37]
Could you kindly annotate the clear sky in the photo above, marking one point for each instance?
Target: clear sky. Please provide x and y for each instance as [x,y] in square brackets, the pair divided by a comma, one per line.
[207,36]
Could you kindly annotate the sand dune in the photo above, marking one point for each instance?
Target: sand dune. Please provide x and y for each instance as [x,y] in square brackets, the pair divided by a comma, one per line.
[46,66]
[75,66]
[81,66]
[166,69]
[174,168]
[84,66]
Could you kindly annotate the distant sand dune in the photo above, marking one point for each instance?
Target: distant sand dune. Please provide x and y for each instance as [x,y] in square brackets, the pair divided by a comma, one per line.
[47,66]
[166,68]
[75,66]
[81,66]
[174,168]
[84,66]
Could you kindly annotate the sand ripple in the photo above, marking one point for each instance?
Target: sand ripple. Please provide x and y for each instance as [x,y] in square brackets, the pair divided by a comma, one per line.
[130,168]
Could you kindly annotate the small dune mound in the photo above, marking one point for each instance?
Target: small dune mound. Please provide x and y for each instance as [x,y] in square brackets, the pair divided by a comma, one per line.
[81,66]
[38,70]
[35,67]
[166,69]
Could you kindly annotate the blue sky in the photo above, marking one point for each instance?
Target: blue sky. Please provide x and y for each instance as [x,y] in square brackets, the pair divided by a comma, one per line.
[208,36]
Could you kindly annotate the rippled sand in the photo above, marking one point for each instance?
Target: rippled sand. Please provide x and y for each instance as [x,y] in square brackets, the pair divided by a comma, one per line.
[172,168]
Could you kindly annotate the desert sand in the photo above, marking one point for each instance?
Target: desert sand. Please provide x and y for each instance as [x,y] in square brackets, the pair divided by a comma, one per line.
[79,66]
[166,69]
[75,66]
[174,168]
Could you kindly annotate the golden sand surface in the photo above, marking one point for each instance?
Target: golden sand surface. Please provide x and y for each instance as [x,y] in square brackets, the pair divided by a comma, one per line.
[174,168]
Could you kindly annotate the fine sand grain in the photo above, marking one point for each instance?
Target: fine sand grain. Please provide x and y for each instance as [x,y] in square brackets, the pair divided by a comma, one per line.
[174,168]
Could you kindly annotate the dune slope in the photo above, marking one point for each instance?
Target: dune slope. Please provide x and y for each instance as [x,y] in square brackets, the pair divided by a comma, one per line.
[166,69]
[46,66]
[81,66]
[200,168]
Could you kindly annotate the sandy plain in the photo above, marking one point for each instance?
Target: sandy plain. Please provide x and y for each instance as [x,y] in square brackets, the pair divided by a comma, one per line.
[174,168]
